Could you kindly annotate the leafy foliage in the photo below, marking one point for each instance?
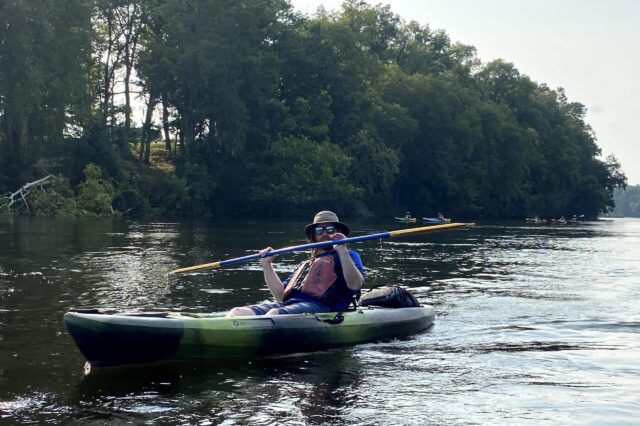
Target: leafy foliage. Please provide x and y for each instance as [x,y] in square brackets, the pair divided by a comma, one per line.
[94,197]
[278,112]
[56,200]
[296,174]
[95,194]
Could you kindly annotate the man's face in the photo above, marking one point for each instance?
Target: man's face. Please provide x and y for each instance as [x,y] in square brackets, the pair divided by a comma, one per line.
[323,231]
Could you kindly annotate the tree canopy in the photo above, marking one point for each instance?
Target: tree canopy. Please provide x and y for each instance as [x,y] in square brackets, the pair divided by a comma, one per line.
[266,110]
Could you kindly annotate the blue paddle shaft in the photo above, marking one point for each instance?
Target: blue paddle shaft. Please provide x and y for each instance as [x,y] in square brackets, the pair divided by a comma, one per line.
[304,247]
[396,233]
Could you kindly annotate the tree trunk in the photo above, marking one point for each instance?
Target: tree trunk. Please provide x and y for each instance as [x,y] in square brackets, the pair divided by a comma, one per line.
[147,147]
[107,75]
[13,139]
[180,142]
[188,134]
[165,124]
[123,141]
[145,143]
[131,47]
[127,98]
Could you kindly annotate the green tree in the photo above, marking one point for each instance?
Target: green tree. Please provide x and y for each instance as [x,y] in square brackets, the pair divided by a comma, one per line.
[298,175]
[271,108]
[44,51]
[212,61]
[95,195]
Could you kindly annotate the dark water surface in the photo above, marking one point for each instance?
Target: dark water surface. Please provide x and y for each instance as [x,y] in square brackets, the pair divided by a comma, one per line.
[535,325]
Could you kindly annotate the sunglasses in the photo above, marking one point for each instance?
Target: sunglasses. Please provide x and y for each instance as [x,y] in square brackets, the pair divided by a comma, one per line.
[329,229]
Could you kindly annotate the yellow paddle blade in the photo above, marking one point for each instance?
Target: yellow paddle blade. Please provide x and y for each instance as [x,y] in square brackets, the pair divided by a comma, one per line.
[424,229]
[196,268]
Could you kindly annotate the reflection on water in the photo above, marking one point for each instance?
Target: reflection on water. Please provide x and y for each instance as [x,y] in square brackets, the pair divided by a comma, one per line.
[536,324]
[292,388]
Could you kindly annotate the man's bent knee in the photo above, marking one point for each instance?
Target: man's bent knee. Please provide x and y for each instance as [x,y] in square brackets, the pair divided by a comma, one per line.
[274,311]
[241,311]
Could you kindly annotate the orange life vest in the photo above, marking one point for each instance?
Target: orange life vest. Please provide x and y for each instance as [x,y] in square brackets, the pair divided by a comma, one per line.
[322,279]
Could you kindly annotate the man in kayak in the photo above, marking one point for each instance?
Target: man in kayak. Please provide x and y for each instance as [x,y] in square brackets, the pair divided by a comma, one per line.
[326,282]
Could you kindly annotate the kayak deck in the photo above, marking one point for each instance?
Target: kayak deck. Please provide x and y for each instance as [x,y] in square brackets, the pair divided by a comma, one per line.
[130,338]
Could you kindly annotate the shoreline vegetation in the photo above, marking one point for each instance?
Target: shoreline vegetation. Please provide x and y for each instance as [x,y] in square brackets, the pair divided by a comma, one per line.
[627,202]
[255,109]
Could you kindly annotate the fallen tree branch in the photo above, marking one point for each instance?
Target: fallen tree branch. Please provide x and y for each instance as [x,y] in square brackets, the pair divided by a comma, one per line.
[20,195]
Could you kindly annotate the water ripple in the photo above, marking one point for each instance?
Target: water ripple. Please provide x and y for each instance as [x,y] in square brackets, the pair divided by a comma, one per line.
[535,325]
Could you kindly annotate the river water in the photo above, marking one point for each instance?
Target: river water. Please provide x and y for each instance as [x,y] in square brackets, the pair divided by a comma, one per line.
[535,325]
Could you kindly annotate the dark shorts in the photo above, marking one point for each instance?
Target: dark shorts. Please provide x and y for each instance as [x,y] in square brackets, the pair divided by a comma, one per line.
[292,306]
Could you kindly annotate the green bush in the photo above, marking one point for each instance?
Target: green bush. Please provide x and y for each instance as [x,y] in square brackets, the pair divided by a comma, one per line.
[166,194]
[56,199]
[95,195]
[130,201]
[151,192]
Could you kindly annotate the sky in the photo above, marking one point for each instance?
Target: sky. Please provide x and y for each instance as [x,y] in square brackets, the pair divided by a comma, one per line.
[588,47]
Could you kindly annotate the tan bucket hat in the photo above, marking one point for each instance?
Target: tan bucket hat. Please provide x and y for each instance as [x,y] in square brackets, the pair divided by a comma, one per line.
[326,216]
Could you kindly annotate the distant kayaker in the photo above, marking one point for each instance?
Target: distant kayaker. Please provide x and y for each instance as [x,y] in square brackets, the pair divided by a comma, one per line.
[407,215]
[326,282]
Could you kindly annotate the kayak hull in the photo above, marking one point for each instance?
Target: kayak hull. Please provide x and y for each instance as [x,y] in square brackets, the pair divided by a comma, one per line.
[135,338]
[404,219]
[435,220]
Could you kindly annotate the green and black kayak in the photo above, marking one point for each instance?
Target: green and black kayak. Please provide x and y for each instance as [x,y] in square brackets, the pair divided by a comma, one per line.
[144,337]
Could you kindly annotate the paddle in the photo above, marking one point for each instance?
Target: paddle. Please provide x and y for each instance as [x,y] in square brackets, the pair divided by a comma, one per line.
[390,234]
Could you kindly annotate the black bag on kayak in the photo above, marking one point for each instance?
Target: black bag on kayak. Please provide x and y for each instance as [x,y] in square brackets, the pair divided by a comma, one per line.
[389,297]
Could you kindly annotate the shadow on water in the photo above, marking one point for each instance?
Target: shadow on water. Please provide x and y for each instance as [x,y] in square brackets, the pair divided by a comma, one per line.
[296,387]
